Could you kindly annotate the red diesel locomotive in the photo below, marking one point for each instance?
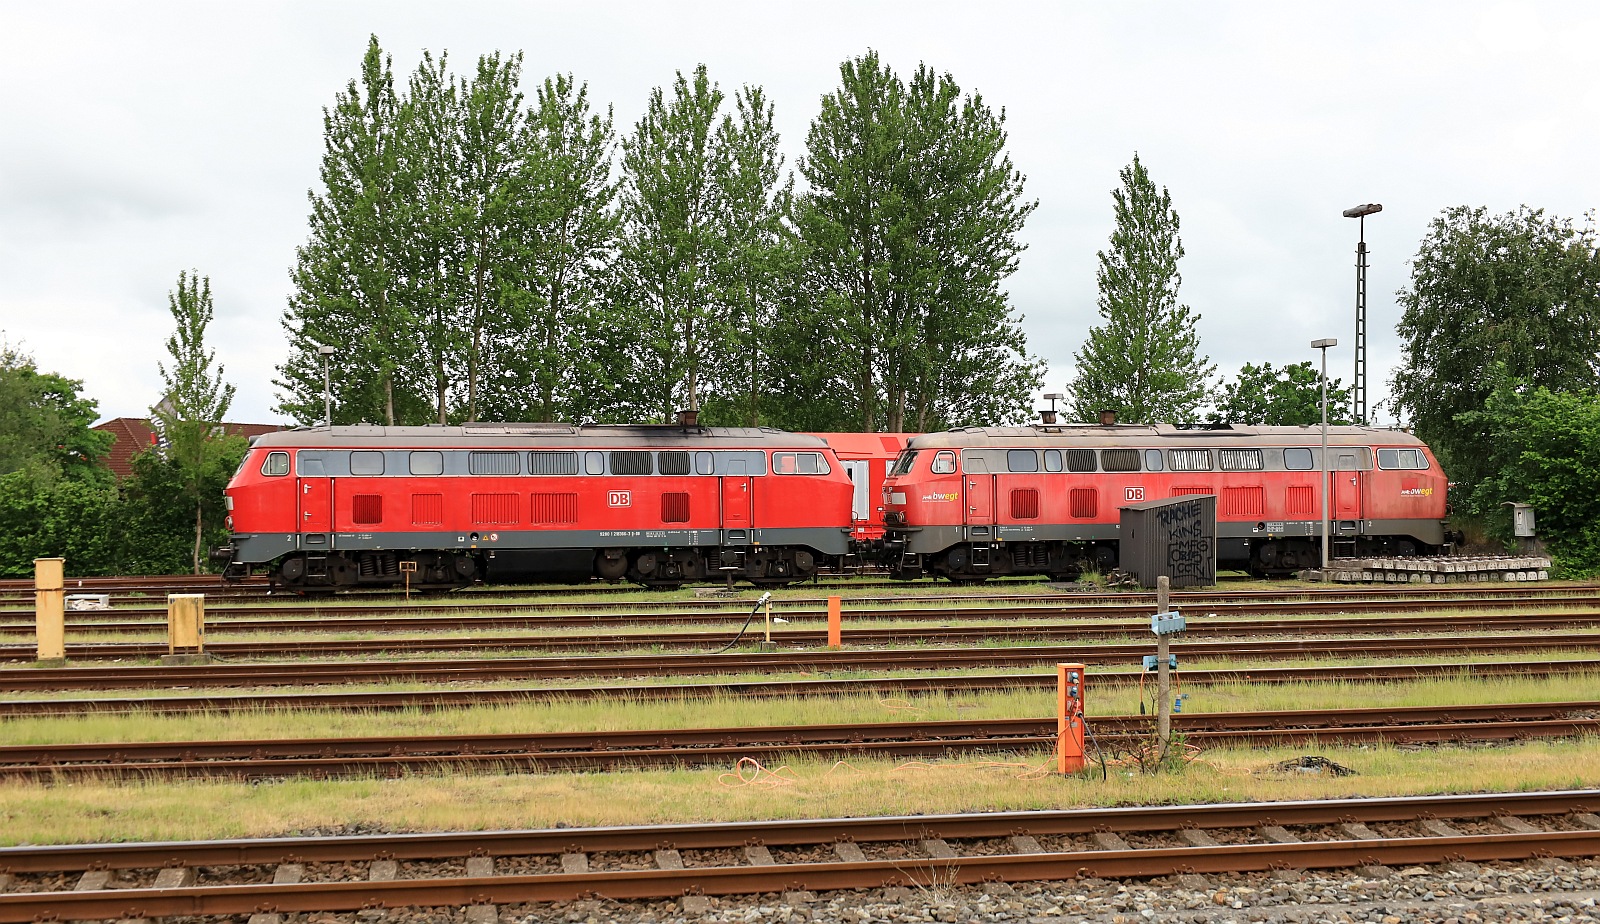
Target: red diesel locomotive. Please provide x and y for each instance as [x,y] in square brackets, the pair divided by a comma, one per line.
[979,502]
[443,506]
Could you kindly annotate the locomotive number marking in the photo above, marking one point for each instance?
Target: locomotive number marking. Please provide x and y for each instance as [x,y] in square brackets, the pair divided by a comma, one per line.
[1133,494]
[619,498]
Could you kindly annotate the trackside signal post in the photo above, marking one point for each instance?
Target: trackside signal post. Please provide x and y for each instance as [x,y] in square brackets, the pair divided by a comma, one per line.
[1164,624]
[1070,754]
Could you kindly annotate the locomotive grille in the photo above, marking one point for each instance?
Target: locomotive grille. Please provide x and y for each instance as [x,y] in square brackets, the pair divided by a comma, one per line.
[1301,500]
[1083,503]
[675,507]
[1244,501]
[552,508]
[427,510]
[366,509]
[494,509]
[1025,504]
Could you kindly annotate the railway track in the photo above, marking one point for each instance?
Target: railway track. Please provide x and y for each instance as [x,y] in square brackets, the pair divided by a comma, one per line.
[459,698]
[394,755]
[589,666]
[484,869]
[226,622]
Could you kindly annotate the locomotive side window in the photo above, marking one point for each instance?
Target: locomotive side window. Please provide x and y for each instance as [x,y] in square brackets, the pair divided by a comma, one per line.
[1080,460]
[494,463]
[632,462]
[1052,460]
[1022,460]
[1120,460]
[552,463]
[944,462]
[1240,460]
[277,463]
[594,463]
[1152,460]
[703,463]
[799,463]
[675,462]
[366,462]
[903,464]
[1298,459]
[1191,460]
[427,463]
[1403,459]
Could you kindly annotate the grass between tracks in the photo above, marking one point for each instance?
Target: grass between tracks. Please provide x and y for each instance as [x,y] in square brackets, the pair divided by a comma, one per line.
[731,712]
[96,812]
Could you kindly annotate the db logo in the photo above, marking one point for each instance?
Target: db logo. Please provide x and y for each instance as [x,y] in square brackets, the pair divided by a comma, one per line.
[1133,494]
[619,498]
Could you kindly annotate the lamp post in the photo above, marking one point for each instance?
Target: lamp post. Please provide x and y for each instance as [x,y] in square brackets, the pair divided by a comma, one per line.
[327,384]
[1323,461]
[1358,410]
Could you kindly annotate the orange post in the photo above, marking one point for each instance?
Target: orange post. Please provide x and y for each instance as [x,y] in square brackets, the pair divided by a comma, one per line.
[1070,754]
[835,624]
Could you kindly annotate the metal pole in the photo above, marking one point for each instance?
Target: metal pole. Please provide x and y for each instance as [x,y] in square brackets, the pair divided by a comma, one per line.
[327,392]
[1324,463]
[1163,672]
[1359,396]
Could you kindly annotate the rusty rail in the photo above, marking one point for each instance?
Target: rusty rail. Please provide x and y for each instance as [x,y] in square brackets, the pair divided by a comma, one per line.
[941,861]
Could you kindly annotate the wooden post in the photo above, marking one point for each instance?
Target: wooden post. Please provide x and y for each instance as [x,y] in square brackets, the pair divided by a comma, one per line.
[1163,671]
[768,602]
[49,609]
[835,623]
[186,629]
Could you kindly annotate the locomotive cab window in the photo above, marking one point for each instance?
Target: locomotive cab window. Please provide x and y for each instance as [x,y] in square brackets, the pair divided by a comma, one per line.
[1402,459]
[427,463]
[799,463]
[703,463]
[1298,459]
[944,462]
[1022,460]
[277,463]
[903,464]
[366,462]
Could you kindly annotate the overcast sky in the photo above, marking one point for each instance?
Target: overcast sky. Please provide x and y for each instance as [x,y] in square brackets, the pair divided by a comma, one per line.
[138,139]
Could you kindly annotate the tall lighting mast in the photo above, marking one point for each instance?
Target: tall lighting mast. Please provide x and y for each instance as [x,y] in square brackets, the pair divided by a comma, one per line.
[1358,410]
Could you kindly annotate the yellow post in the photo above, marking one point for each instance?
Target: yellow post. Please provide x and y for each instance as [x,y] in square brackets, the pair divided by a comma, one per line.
[49,607]
[835,624]
[186,623]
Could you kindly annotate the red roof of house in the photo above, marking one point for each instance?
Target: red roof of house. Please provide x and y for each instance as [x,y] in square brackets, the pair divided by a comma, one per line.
[133,435]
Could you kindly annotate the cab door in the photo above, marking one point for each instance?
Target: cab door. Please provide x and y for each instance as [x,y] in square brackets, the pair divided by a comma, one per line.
[736,504]
[860,474]
[980,499]
[316,505]
[1347,488]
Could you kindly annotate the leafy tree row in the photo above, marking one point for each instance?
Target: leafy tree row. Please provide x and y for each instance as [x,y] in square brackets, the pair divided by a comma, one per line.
[473,255]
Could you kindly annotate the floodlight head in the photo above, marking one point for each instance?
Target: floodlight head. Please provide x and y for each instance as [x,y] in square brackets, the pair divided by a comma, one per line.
[1324,344]
[326,350]
[1053,396]
[1362,211]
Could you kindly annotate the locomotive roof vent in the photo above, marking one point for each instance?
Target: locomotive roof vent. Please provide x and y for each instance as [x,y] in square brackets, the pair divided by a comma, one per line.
[689,418]
[1108,418]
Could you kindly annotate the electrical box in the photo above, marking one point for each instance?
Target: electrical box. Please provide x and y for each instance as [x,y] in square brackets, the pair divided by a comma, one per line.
[1522,525]
[1070,682]
[186,622]
[1175,537]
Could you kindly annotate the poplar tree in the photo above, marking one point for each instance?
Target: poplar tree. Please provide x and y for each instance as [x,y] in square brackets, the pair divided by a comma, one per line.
[346,273]
[560,351]
[671,244]
[197,399]
[1144,361]
[756,269]
[909,230]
